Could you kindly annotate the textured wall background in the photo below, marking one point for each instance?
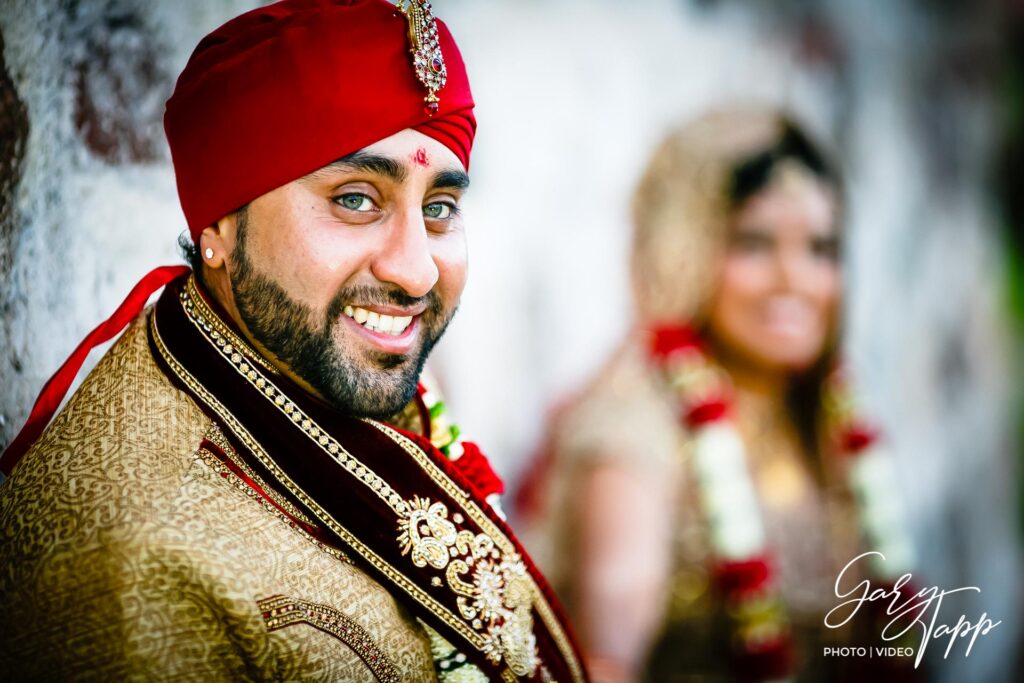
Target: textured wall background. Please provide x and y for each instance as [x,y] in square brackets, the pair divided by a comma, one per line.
[572,95]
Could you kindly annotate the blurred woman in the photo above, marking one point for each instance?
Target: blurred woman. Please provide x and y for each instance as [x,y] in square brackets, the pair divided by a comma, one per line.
[697,511]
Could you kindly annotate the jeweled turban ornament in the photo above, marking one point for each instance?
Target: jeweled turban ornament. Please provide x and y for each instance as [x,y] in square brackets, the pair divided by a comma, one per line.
[426,50]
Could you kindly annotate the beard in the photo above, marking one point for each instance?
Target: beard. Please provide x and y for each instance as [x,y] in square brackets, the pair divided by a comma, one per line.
[357,381]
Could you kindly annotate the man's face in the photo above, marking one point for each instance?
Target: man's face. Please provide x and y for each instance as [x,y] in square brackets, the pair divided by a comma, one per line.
[350,275]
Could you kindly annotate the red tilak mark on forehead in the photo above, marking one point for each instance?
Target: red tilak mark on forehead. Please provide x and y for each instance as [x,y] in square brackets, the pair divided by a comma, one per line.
[420,158]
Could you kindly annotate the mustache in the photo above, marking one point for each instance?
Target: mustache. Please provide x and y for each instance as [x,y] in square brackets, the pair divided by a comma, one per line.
[383,295]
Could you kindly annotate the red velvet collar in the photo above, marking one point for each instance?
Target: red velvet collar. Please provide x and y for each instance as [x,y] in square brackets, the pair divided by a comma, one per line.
[368,483]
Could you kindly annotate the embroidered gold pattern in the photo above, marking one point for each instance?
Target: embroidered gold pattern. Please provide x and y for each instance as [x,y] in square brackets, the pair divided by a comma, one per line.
[544,609]
[495,593]
[280,611]
[498,596]
[115,521]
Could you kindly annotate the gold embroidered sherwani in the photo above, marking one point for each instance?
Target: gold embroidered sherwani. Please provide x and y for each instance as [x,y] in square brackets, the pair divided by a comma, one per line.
[194,514]
[128,552]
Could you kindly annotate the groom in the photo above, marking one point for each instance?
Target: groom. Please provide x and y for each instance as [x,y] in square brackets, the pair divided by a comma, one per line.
[250,484]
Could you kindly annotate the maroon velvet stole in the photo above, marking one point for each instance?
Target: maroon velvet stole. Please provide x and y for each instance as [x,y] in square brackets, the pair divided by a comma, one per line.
[389,499]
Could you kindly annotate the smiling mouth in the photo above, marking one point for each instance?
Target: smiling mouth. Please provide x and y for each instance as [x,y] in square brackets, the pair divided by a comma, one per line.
[377,322]
[789,316]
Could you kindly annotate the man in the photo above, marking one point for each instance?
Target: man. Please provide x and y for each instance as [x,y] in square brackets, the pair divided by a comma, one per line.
[226,496]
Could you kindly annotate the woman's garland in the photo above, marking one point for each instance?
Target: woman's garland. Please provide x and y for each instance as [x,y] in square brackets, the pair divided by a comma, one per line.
[742,571]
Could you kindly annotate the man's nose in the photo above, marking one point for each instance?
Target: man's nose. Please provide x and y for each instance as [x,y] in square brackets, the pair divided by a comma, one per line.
[404,258]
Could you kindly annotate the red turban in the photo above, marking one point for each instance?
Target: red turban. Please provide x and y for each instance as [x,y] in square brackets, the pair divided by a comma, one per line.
[283,90]
[269,97]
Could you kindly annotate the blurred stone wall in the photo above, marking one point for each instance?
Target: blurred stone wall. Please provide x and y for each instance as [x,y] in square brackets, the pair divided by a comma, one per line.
[572,96]
[87,196]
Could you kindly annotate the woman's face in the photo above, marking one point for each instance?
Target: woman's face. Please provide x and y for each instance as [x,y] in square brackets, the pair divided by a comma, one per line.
[779,286]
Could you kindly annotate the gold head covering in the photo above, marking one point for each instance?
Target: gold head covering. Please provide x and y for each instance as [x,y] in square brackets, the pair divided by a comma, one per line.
[680,210]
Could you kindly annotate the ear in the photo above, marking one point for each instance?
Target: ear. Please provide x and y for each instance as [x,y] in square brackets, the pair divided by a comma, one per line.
[216,242]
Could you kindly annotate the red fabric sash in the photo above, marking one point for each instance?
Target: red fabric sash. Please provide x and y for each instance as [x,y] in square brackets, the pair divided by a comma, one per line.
[389,499]
[57,387]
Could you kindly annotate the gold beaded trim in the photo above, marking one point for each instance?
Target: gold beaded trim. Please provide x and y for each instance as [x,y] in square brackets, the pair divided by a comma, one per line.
[216,437]
[523,660]
[215,324]
[364,551]
[280,612]
[542,606]
[240,356]
[218,466]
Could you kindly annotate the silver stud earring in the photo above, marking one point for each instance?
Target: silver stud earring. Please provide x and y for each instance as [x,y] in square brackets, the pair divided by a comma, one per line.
[208,252]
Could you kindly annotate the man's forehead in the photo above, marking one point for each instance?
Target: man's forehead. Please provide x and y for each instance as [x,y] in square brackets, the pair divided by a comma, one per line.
[398,160]
[366,161]
[410,148]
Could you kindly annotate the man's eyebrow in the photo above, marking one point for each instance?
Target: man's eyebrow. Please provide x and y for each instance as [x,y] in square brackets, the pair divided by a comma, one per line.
[456,180]
[363,161]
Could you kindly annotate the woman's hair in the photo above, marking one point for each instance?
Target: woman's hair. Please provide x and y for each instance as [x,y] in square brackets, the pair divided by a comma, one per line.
[753,174]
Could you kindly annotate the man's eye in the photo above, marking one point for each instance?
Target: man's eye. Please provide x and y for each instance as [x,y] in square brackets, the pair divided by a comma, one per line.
[355,202]
[439,210]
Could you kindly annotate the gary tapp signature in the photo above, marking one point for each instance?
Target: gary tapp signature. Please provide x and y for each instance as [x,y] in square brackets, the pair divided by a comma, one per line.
[908,612]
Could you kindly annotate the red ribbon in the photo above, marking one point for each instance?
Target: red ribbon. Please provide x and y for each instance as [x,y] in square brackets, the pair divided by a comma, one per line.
[57,387]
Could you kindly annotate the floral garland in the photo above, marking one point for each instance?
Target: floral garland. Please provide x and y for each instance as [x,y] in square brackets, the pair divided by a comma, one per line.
[742,571]
[447,438]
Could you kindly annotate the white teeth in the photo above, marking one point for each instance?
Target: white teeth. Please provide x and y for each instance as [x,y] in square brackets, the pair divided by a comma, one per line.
[387,324]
